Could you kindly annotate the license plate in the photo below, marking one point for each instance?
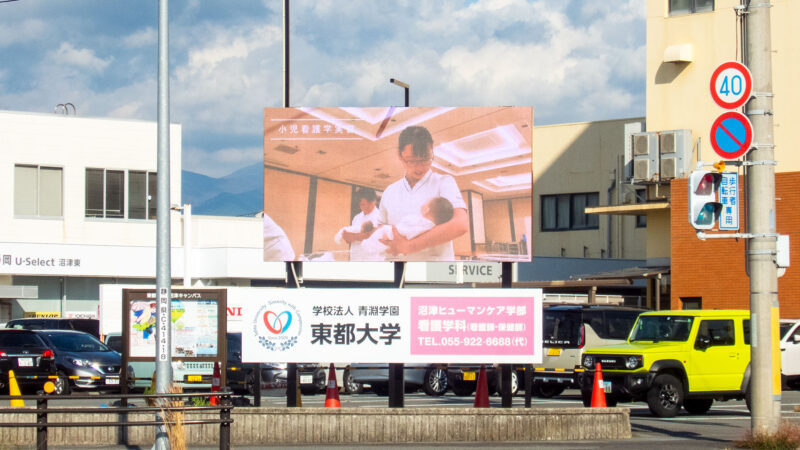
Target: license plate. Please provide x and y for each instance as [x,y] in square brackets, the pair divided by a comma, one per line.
[607,386]
[194,378]
[112,380]
[553,352]
[25,362]
[469,376]
[306,379]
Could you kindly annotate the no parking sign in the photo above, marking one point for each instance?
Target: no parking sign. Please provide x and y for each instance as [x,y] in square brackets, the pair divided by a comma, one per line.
[731,135]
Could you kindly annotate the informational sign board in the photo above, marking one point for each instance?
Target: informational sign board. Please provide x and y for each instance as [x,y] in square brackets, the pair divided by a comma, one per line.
[371,184]
[731,85]
[731,135]
[198,324]
[729,197]
[394,326]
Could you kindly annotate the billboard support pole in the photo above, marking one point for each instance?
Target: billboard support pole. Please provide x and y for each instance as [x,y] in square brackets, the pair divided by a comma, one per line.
[294,270]
[396,378]
[505,369]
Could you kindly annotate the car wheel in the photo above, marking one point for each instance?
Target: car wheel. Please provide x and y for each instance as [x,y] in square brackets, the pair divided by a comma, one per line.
[463,388]
[514,383]
[748,398]
[665,397]
[435,381]
[548,390]
[697,405]
[350,385]
[61,384]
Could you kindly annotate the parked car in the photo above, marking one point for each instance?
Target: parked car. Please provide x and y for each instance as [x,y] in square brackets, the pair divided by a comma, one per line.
[567,331]
[313,378]
[91,326]
[241,376]
[463,378]
[674,359]
[190,374]
[81,355]
[570,329]
[790,352]
[28,356]
[432,378]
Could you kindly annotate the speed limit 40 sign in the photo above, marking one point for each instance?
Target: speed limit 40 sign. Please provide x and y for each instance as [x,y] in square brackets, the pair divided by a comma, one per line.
[731,85]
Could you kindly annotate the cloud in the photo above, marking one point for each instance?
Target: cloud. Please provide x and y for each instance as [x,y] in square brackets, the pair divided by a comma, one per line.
[14,33]
[141,38]
[82,58]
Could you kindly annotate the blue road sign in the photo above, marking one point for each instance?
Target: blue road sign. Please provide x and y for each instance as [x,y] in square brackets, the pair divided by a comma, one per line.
[731,135]
[729,198]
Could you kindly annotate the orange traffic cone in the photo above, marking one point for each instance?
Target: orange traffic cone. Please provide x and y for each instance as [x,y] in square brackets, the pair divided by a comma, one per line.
[332,393]
[482,390]
[214,400]
[598,390]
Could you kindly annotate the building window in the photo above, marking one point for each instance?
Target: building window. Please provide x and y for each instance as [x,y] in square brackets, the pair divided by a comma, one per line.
[641,197]
[565,212]
[105,194]
[142,195]
[679,7]
[37,191]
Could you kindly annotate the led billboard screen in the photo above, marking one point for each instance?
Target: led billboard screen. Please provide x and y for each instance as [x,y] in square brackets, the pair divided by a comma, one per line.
[398,184]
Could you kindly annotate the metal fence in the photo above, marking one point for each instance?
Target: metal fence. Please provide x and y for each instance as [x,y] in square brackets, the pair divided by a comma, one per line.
[161,403]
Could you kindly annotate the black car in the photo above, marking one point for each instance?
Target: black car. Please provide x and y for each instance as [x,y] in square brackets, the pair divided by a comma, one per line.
[28,356]
[91,326]
[240,376]
[82,361]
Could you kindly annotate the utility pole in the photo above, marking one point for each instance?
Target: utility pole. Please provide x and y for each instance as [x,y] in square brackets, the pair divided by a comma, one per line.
[765,382]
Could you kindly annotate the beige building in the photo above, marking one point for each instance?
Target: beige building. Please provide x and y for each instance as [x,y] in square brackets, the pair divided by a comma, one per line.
[582,165]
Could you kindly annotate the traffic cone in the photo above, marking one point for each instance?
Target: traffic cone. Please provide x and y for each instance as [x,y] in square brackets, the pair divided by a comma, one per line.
[598,390]
[332,393]
[13,389]
[482,390]
[214,400]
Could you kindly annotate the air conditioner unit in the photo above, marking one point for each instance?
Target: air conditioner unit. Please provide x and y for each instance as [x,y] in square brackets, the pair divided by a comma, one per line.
[675,148]
[642,170]
[645,156]
[641,144]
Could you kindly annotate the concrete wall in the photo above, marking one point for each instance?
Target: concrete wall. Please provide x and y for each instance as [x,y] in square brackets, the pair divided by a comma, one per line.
[271,426]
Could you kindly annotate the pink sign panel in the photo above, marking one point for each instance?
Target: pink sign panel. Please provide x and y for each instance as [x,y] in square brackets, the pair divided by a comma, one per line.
[473,326]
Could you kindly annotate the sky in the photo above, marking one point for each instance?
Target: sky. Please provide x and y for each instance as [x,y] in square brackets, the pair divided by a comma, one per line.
[571,60]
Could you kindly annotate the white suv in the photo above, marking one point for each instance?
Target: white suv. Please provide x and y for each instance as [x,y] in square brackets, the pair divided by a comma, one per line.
[790,352]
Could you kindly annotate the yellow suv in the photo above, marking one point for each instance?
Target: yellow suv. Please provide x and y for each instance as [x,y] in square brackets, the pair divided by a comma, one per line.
[675,359]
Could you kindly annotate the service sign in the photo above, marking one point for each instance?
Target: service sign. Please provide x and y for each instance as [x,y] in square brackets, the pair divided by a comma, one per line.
[397,184]
[394,326]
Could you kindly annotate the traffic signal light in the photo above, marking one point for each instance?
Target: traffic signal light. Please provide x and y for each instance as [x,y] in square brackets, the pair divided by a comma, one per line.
[704,208]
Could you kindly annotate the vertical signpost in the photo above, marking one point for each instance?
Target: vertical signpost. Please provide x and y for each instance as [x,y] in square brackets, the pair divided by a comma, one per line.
[733,135]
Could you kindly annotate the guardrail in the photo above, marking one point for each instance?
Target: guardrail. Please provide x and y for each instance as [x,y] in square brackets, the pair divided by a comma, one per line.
[164,404]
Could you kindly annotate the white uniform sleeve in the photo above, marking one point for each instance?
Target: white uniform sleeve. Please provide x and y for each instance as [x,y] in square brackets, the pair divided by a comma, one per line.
[449,190]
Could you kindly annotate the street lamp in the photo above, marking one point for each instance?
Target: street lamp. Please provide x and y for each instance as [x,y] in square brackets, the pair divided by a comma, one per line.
[402,85]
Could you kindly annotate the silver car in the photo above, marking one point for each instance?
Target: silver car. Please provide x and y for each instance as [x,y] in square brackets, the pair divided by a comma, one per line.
[432,378]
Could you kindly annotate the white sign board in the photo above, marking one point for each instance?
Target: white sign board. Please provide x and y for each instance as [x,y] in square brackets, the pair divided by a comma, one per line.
[465,272]
[394,326]
[729,197]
